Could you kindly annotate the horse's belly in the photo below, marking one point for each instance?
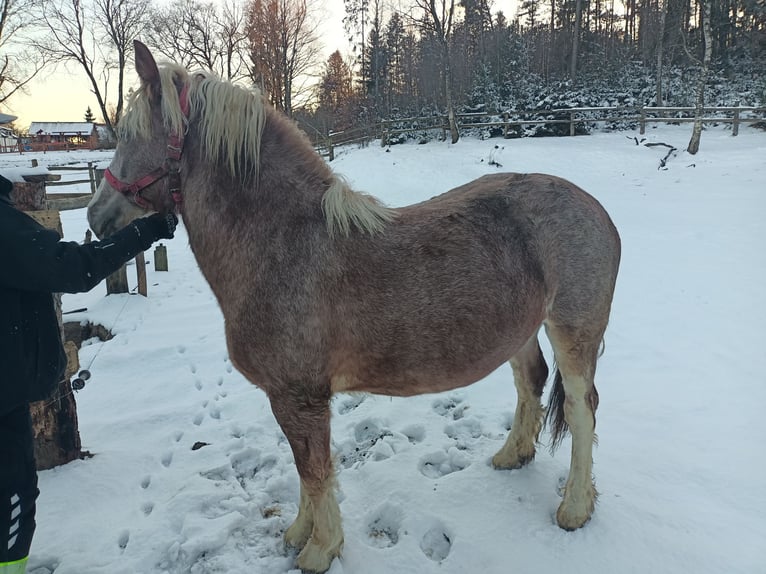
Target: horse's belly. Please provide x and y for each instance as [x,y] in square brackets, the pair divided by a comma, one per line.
[426,378]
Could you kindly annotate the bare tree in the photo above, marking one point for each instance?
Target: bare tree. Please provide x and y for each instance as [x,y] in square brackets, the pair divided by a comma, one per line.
[283,48]
[438,20]
[694,142]
[663,7]
[576,41]
[198,34]
[122,22]
[97,37]
[233,37]
[19,63]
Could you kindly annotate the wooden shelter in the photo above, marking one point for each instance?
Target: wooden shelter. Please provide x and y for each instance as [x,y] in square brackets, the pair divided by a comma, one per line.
[62,135]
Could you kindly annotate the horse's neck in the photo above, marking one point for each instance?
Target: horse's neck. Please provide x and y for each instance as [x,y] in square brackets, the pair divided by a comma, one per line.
[284,196]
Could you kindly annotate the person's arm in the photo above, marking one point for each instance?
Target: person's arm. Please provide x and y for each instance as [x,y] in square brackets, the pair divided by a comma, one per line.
[33,258]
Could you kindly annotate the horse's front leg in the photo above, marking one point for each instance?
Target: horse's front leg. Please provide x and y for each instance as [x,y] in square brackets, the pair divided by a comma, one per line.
[305,420]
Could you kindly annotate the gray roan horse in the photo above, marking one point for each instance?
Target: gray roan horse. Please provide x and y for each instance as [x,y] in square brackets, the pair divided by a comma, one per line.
[325,290]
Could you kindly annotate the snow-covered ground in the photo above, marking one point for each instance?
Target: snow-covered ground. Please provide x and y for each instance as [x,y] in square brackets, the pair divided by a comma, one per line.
[680,463]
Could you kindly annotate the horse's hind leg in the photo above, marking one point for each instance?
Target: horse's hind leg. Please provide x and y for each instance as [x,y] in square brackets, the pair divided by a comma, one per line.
[317,528]
[574,400]
[529,375]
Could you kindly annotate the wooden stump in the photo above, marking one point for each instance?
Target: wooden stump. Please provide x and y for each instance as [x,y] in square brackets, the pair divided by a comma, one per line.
[29,196]
[54,420]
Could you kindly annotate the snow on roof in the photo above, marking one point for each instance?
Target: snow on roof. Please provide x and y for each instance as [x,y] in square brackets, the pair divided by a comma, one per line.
[61,128]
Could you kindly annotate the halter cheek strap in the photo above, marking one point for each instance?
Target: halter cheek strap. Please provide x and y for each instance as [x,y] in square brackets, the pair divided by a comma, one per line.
[169,169]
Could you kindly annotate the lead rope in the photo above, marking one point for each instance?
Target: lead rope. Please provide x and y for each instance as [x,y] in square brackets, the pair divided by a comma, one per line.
[79,383]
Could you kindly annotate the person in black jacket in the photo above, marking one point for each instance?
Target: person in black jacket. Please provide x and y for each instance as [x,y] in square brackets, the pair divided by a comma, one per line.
[34,264]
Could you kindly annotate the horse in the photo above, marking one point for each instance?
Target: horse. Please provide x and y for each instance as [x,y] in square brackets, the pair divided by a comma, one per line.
[326,290]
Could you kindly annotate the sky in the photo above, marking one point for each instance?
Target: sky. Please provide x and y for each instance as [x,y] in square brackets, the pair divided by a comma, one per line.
[679,462]
[64,94]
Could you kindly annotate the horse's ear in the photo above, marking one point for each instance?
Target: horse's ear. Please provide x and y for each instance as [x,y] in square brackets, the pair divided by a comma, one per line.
[146,67]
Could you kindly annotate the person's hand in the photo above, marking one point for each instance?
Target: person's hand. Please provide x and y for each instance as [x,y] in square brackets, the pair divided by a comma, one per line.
[162,225]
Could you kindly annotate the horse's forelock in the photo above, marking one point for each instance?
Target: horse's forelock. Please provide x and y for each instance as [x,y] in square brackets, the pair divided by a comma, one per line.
[137,121]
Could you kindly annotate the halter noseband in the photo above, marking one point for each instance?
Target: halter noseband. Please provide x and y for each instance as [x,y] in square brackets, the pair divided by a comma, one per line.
[169,168]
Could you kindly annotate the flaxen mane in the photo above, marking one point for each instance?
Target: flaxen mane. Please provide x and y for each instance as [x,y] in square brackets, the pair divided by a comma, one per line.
[231,132]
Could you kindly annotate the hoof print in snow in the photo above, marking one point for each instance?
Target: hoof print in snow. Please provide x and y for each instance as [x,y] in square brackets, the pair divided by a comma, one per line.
[146,481]
[436,544]
[464,432]
[123,539]
[167,459]
[372,441]
[384,526]
[441,463]
[450,407]
[350,404]
[147,508]
[414,433]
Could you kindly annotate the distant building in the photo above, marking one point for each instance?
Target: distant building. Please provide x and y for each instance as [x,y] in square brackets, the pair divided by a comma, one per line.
[64,134]
[8,139]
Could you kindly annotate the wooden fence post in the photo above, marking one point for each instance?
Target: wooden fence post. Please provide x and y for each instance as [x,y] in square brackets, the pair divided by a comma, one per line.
[141,274]
[571,123]
[642,121]
[735,122]
[505,125]
[160,258]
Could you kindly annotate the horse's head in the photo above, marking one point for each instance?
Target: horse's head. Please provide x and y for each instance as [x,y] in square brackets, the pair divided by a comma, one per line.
[143,175]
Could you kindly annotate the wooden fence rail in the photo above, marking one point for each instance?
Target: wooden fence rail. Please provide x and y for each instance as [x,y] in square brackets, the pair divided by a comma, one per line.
[735,115]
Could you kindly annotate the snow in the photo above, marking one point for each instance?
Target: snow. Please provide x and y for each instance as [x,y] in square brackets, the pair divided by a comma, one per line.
[679,464]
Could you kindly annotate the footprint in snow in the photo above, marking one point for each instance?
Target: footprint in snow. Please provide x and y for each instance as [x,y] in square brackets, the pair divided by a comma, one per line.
[441,463]
[167,459]
[414,433]
[146,481]
[350,404]
[436,543]
[450,406]
[372,441]
[123,539]
[384,526]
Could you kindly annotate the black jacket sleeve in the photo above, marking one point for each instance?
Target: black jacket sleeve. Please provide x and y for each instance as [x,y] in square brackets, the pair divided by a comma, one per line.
[33,258]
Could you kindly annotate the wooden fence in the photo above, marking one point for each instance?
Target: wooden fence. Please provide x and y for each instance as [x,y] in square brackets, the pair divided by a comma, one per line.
[561,121]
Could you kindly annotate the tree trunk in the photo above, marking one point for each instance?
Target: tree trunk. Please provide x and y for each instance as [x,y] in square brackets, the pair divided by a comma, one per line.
[54,420]
[663,7]
[576,41]
[694,142]
[453,129]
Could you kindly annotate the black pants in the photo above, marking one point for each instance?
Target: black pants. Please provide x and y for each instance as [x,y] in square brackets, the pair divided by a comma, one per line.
[18,484]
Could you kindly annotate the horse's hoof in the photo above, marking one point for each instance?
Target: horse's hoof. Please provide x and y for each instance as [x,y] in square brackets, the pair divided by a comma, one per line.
[502,462]
[571,516]
[298,535]
[314,558]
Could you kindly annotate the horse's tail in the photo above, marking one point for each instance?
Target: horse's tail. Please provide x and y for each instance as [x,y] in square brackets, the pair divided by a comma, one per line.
[554,415]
